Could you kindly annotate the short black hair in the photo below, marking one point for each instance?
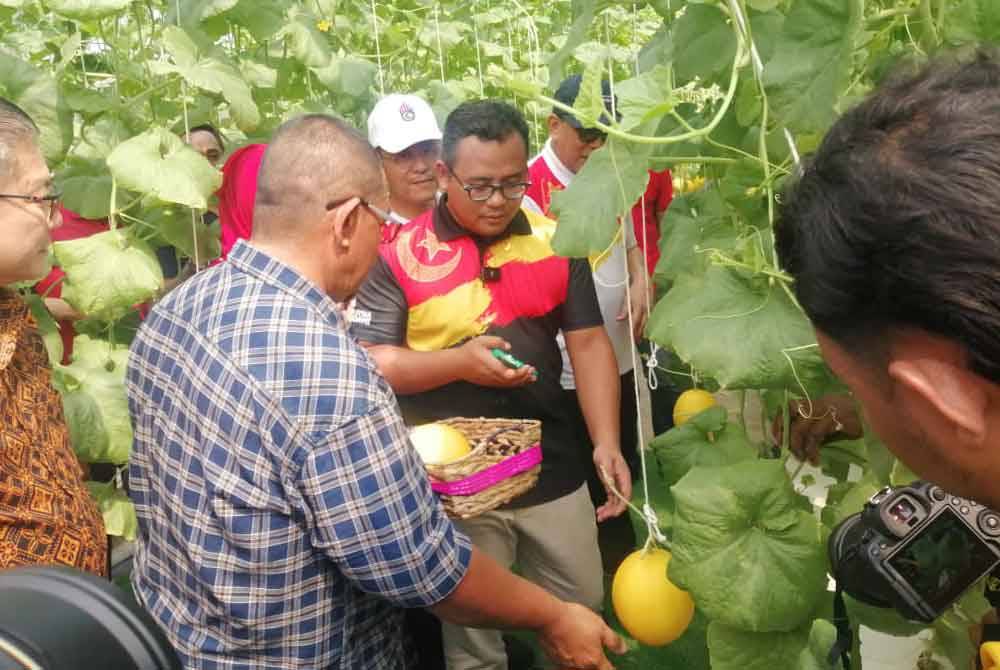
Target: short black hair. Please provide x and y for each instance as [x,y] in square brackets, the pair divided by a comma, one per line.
[209,128]
[895,222]
[488,120]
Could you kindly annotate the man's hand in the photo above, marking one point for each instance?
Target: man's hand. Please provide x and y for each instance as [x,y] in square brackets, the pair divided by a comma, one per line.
[576,638]
[833,417]
[640,296]
[610,463]
[480,367]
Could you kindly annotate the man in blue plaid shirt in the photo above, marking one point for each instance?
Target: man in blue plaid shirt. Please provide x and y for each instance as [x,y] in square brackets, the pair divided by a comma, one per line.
[284,518]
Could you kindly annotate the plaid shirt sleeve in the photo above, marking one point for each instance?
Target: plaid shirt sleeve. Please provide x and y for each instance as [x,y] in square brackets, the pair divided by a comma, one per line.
[375,516]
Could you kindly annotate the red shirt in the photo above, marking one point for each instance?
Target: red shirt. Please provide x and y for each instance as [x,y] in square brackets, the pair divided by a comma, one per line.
[656,199]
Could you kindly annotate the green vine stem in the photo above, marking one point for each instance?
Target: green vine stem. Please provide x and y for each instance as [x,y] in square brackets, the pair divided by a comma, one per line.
[734,80]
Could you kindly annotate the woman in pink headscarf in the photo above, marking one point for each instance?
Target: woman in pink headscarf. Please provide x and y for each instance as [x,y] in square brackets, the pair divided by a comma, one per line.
[237,193]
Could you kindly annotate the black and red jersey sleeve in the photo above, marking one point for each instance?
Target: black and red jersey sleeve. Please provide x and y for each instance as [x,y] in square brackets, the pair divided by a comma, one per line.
[581,309]
[380,310]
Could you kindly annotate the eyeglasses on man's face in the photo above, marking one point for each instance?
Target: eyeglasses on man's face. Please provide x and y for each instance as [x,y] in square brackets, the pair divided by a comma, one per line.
[483,192]
[390,222]
[49,203]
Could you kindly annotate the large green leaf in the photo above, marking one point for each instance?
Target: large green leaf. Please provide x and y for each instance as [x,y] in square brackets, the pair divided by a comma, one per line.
[37,93]
[306,43]
[589,103]
[744,547]
[99,138]
[90,197]
[657,50]
[159,163]
[645,97]
[86,100]
[812,61]
[736,649]
[851,502]
[210,74]
[175,228]
[94,401]
[195,11]
[822,636]
[703,43]
[742,332]
[695,225]
[605,189]
[707,439]
[107,274]
[116,508]
[262,18]
[971,22]
[85,10]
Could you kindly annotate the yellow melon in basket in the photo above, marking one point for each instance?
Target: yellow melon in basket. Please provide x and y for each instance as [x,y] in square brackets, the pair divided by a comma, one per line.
[438,443]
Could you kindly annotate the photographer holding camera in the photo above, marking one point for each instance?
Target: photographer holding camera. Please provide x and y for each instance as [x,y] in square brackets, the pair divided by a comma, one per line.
[892,235]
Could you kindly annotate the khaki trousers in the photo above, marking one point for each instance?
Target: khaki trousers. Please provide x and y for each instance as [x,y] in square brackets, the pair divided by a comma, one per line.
[555,546]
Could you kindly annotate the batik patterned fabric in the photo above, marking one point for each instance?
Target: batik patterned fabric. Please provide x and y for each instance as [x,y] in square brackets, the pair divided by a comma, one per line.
[436,286]
[46,513]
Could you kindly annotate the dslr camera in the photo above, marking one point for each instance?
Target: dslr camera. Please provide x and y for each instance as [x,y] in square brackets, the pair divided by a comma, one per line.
[914,548]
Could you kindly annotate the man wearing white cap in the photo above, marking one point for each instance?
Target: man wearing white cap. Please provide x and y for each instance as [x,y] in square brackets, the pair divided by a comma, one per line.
[404,131]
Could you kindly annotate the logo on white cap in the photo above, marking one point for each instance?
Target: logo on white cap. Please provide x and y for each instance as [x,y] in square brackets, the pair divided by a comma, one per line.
[400,121]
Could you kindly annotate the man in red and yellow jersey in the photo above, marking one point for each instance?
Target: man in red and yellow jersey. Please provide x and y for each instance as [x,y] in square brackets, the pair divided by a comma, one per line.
[477,273]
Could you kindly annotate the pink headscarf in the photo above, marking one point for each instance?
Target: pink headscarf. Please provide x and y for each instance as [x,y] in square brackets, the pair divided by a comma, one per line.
[237,193]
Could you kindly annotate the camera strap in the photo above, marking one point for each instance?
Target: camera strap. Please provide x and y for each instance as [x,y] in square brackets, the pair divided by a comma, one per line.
[845,634]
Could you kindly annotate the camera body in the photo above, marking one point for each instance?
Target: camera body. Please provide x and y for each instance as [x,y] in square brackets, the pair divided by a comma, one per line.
[914,548]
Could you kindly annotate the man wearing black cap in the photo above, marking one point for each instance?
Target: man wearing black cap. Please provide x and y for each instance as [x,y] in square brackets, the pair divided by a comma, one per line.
[564,154]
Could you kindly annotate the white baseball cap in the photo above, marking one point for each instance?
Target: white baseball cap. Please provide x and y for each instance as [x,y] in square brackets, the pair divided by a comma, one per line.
[399,121]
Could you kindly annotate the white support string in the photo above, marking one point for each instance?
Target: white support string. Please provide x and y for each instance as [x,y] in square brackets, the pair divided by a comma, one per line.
[437,30]
[479,58]
[187,134]
[378,51]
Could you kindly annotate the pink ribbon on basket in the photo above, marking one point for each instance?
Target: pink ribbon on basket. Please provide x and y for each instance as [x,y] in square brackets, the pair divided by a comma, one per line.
[492,475]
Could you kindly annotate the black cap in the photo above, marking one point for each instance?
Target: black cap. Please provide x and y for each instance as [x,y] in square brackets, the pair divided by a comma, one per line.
[567,92]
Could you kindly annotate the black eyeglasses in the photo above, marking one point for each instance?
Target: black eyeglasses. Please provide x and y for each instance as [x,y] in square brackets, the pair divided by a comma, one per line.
[51,200]
[591,135]
[483,192]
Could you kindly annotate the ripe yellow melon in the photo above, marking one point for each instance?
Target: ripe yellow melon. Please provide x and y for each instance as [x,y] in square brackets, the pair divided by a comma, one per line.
[691,402]
[650,607]
[438,443]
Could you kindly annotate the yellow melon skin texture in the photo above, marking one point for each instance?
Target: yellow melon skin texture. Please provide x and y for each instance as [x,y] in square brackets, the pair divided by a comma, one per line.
[438,443]
[691,402]
[648,605]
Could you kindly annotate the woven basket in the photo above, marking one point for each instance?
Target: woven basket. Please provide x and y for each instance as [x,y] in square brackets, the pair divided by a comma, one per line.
[504,463]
